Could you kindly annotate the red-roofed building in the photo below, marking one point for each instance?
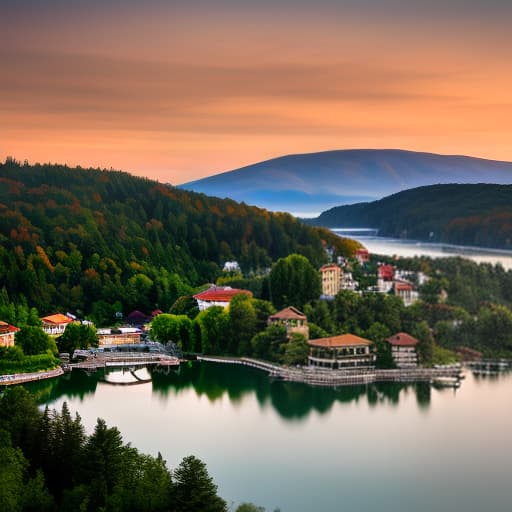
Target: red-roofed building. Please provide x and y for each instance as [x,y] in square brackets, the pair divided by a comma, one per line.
[7,332]
[386,272]
[362,256]
[344,351]
[55,325]
[218,296]
[403,349]
[406,292]
[292,319]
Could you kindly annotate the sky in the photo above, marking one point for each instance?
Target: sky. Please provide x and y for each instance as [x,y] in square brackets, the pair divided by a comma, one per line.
[180,90]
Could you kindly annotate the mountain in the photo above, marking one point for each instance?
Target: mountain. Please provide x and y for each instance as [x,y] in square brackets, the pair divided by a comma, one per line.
[478,215]
[103,241]
[308,183]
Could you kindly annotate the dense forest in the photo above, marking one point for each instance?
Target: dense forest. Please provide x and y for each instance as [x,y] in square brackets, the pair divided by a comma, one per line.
[50,464]
[96,242]
[479,215]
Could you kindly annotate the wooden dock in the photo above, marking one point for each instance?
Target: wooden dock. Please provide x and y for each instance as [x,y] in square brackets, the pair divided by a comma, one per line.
[344,377]
[123,359]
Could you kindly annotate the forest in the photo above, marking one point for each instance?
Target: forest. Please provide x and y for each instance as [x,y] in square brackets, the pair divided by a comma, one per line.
[96,242]
[477,215]
[50,464]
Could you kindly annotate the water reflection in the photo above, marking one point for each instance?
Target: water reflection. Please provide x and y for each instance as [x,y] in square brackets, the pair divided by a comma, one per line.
[292,401]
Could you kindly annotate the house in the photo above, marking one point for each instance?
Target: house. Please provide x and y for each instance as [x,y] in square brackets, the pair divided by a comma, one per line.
[291,318]
[7,332]
[348,282]
[344,351]
[218,296]
[406,292]
[119,336]
[331,280]
[386,272]
[56,324]
[137,318]
[403,350]
[231,266]
[362,255]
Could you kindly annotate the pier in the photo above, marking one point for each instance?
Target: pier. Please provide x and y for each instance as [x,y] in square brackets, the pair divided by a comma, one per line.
[345,377]
[120,359]
[22,378]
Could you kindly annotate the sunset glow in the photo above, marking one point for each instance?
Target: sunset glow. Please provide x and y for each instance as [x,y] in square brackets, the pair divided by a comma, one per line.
[181,90]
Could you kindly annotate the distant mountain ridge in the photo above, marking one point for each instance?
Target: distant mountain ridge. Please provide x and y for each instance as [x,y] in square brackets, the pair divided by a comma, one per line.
[313,182]
[465,214]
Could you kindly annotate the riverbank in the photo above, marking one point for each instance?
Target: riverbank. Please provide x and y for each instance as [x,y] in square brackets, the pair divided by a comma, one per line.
[22,378]
[346,377]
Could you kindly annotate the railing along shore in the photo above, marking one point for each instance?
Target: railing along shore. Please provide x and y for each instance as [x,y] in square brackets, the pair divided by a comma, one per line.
[343,377]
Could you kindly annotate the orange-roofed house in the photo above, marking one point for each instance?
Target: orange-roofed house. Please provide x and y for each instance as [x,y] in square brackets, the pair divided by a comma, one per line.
[218,296]
[343,351]
[292,319]
[7,332]
[406,292]
[55,325]
[403,349]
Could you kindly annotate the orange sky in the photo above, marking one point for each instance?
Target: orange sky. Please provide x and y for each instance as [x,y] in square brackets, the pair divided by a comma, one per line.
[179,92]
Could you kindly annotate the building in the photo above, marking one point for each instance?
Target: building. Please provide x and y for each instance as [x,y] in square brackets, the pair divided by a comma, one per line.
[362,256]
[348,282]
[331,280]
[406,292]
[386,272]
[119,336]
[231,266]
[291,318]
[137,318]
[403,349]
[7,333]
[218,296]
[55,325]
[344,351]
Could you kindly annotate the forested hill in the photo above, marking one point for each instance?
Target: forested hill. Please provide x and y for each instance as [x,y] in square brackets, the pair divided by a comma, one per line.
[479,215]
[80,240]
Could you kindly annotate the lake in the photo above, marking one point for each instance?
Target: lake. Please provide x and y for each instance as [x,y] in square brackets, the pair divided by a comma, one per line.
[382,447]
[410,248]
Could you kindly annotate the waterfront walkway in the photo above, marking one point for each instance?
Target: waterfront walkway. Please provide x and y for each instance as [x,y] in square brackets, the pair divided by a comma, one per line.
[345,377]
[103,360]
[22,378]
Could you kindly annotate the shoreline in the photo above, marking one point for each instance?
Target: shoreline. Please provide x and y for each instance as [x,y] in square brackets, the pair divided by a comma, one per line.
[22,378]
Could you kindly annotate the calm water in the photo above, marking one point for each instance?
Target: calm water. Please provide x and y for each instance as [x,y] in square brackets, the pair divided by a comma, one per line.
[411,248]
[383,447]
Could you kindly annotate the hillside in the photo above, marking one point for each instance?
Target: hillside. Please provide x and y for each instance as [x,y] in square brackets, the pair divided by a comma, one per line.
[479,215]
[104,241]
[308,183]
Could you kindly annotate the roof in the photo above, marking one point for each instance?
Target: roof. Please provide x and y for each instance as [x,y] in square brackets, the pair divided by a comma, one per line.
[362,250]
[344,340]
[402,339]
[289,313]
[6,328]
[138,315]
[400,285]
[56,319]
[331,266]
[220,294]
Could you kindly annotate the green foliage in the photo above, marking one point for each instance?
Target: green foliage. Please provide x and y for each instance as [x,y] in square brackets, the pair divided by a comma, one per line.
[214,330]
[185,305]
[294,282]
[176,328]
[296,350]
[34,341]
[48,463]
[477,215]
[82,240]
[269,344]
[442,355]
[421,331]
[77,336]
[378,333]
[193,489]
[249,507]
[242,324]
